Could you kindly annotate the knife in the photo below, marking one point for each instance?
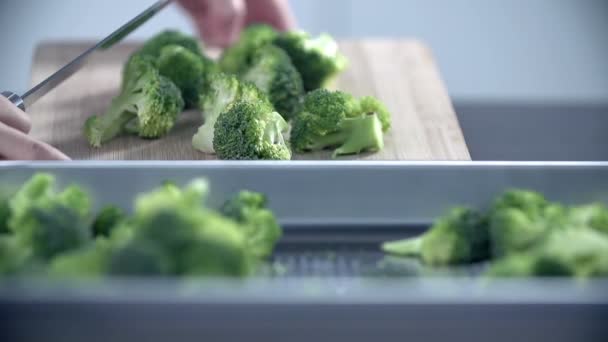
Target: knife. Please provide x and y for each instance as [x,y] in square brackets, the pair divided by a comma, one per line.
[34,94]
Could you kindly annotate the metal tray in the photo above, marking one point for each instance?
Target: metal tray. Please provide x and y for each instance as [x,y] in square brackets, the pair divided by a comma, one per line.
[333,282]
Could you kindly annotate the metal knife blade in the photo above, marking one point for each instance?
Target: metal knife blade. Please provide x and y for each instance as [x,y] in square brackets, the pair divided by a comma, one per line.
[34,94]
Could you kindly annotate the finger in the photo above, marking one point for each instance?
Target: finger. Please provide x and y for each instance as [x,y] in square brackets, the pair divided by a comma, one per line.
[223,22]
[276,13]
[14,117]
[16,145]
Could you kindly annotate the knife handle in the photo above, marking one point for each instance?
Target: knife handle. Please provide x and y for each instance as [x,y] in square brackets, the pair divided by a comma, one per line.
[11,113]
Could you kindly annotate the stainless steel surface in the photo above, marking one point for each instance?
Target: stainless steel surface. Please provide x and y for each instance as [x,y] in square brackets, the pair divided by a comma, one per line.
[15,99]
[32,95]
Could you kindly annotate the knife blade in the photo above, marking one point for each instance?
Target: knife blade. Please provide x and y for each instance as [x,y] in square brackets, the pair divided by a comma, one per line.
[41,89]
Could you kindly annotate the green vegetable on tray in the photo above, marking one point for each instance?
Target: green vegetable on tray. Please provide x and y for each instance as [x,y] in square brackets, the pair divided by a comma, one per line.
[266,71]
[170,233]
[522,234]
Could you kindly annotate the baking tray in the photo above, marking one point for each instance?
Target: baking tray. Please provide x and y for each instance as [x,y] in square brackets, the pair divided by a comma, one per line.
[329,280]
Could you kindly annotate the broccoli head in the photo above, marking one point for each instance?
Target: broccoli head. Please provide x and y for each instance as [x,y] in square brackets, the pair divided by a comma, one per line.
[459,238]
[154,46]
[173,234]
[594,216]
[251,131]
[272,71]
[329,120]
[186,69]
[318,59]
[46,222]
[90,261]
[238,57]
[107,219]
[260,225]
[150,100]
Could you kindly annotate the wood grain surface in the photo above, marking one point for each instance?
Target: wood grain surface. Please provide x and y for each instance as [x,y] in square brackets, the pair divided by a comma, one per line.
[402,73]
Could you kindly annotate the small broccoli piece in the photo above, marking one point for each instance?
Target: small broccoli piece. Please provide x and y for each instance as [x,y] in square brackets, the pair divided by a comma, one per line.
[186,69]
[251,131]
[261,227]
[459,238]
[238,57]
[225,90]
[329,119]
[46,222]
[107,219]
[154,46]
[371,105]
[521,219]
[173,234]
[272,71]
[317,59]
[150,99]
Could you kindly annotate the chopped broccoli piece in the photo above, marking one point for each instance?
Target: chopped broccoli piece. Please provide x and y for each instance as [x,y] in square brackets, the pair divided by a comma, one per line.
[459,238]
[371,105]
[223,91]
[13,256]
[107,219]
[174,235]
[272,71]
[186,69]
[154,46]
[90,261]
[251,131]
[594,216]
[261,227]
[46,222]
[317,59]
[329,119]
[238,57]
[150,99]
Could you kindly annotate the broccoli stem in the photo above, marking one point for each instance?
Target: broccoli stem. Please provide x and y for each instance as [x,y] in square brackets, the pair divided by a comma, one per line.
[407,247]
[103,128]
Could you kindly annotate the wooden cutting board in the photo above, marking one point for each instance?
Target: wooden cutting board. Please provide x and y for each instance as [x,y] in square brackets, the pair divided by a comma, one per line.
[402,73]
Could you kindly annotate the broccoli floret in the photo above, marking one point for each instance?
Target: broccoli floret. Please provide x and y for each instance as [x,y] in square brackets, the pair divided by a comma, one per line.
[186,69]
[90,261]
[261,227]
[371,105]
[329,119]
[222,91]
[594,216]
[13,256]
[238,57]
[251,131]
[156,44]
[272,71]
[46,222]
[459,238]
[107,219]
[579,252]
[318,59]
[150,99]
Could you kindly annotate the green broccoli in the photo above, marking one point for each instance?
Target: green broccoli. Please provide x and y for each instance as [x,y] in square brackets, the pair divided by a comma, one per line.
[186,69]
[272,71]
[520,219]
[5,212]
[461,237]
[149,99]
[223,91]
[371,105]
[261,227]
[173,234]
[594,216]
[154,46]
[251,131]
[578,252]
[107,219]
[238,57]
[13,256]
[329,119]
[46,222]
[317,59]
[90,261]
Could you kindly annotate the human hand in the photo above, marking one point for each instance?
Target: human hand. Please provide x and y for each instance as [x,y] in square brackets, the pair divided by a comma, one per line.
[15,144]
[221,21]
